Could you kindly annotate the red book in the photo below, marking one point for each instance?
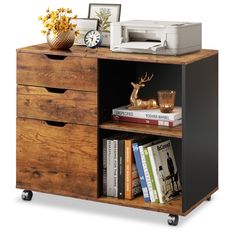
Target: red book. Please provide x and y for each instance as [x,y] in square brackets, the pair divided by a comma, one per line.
[147,121]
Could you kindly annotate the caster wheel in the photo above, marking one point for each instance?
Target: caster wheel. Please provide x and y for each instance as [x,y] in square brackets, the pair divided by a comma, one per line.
[173,220]
[209,199]
[27,195]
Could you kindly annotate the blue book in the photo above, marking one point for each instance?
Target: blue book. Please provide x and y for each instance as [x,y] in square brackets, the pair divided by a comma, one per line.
[141,172]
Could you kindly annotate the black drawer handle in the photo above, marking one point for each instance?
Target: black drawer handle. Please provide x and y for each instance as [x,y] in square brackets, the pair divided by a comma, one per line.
[55,123]
[55,57]
[56,90]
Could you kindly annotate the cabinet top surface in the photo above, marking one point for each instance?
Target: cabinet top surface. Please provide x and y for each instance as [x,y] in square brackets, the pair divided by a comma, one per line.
[106,53]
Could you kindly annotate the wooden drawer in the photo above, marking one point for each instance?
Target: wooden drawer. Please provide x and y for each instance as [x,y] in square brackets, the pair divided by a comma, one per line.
[57,71]
[69,106]
[58,160]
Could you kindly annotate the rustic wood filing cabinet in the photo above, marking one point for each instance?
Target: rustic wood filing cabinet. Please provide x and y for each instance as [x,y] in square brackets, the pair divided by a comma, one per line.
[64,103]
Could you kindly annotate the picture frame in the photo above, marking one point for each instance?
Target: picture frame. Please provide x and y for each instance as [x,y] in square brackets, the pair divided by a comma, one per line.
[84,25]
[106,13]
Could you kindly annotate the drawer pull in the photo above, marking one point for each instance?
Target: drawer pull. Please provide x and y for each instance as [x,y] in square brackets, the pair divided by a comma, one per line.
[55,123]
[55,57]
[56,90]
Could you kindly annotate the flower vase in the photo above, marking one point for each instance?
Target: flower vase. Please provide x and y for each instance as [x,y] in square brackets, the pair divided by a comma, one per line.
[61,40]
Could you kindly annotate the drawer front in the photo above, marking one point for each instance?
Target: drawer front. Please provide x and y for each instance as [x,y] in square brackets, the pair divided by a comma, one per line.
[54,71]
[57,160]
[69,106]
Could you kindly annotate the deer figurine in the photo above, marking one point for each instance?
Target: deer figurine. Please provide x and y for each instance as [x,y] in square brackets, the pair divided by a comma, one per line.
[137,103]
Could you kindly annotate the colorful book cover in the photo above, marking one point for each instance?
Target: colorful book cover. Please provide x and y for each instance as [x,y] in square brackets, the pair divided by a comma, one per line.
[141,172]
[146,173]
[166,170]
[154,189]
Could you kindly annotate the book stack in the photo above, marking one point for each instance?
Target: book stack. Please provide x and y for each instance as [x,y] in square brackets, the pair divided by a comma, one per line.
[148,116]
[139,163]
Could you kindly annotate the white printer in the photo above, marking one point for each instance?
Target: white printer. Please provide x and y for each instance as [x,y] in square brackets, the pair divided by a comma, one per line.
[155,37]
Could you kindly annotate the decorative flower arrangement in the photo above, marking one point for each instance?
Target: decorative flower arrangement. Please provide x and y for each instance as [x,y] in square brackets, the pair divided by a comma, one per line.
[58,21]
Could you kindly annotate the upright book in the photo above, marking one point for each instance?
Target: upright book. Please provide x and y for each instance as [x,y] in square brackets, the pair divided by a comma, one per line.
[132,182]
[139,165]
[165,170]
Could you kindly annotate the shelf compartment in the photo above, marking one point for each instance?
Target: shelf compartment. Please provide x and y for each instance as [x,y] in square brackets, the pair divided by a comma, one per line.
[172,207]
[175,132]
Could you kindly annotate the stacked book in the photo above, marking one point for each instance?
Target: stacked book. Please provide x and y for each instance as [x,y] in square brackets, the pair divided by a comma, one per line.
[139,163]
[148,116]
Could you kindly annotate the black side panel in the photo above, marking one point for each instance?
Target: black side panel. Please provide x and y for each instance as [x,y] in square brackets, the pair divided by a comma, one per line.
[200,130]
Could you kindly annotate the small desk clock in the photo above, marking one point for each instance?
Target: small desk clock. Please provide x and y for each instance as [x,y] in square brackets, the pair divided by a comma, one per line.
[93,39]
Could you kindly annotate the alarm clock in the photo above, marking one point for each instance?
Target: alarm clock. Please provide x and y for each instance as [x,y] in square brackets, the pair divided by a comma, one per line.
[93,39]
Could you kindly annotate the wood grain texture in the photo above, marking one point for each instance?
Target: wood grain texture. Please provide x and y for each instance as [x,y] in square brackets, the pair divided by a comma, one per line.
[172,207]
[71,106]
[106,53]
[57,160]
[175,132]
[69,73]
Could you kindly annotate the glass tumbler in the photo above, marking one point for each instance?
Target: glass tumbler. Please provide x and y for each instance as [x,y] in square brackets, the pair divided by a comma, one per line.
[166,99]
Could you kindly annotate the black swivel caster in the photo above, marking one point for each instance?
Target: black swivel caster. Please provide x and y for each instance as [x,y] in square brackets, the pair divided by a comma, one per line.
[27,195]
[173,220]
[209,199]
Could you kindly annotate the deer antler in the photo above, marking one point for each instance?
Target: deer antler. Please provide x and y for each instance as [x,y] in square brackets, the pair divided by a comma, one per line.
[145,79]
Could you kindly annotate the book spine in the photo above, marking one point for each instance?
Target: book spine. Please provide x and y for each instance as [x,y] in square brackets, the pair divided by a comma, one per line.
[146,174]
[112,168]
[152,151]
[146,115]
[128,171]
[115,143]
[140,172]
[121,164]
[154,189]
[104,187]
[147,121]
[109,177]
[136,186]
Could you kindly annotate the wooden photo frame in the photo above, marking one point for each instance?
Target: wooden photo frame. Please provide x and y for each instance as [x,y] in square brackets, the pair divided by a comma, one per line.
[84,25]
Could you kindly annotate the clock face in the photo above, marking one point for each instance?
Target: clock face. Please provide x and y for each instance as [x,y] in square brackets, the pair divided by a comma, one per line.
[93,39]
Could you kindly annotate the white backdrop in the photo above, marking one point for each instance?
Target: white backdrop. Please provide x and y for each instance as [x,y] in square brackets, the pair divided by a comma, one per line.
[52,215]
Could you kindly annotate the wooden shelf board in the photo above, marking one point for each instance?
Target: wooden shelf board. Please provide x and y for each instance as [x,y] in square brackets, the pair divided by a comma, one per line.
[172,207]
[106,53]
[175,132]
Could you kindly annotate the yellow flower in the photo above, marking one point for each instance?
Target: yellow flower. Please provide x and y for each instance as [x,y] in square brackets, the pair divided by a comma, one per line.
[68,10]
[57,20]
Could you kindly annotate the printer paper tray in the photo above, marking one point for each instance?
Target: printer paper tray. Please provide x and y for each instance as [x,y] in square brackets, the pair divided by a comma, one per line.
[141,45]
